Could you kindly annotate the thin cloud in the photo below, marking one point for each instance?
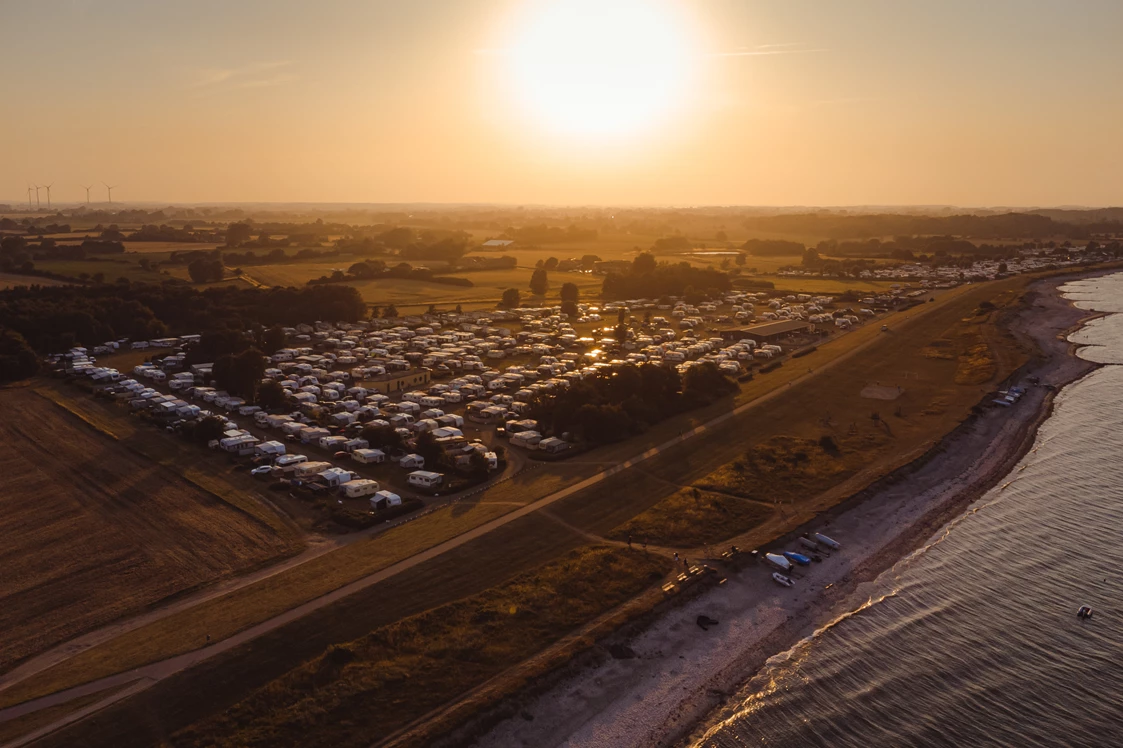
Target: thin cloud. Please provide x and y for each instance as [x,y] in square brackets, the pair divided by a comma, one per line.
[254,75]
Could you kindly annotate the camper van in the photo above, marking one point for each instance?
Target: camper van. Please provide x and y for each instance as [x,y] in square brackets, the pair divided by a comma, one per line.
[384,500]
[368,456]
[424,479]
[357,489]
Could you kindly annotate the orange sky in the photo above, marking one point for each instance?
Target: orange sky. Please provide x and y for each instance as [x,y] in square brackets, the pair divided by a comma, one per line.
[683,102]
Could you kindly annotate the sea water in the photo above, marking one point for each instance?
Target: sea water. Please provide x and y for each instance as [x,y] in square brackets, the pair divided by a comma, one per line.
[973,640]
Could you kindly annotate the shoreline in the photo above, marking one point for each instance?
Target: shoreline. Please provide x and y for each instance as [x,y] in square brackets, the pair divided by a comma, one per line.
[682,681]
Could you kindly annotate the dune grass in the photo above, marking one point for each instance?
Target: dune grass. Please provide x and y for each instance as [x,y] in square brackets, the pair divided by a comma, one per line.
[379,683]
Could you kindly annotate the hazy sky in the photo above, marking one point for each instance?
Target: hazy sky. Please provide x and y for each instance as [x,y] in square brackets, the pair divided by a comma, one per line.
[762,102]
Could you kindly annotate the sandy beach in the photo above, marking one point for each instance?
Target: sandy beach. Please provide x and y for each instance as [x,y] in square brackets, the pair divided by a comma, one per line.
[680,674]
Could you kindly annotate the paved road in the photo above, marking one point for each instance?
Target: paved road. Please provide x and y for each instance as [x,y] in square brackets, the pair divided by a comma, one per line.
[154,672]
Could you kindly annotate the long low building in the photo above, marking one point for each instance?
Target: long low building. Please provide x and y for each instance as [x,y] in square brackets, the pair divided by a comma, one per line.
[767,332]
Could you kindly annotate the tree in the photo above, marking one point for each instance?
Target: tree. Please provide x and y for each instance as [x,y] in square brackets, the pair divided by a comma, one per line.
[511,298]
[570,308]
[428,448]
[588,262]
[459,310]
[17,359]
[271,395]
[272,340]
[644,263]
[721,236]
[740,259]
[382,437]
[621,333]
[237,234]
[539,282]
[570,292]
[208,429]
[240,374]
[477,465]
[704,382]
[362,270]
[621,316]
[390,312]
[205,271]
[551,263]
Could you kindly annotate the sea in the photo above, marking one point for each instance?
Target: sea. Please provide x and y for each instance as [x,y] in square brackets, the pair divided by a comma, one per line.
[973,640]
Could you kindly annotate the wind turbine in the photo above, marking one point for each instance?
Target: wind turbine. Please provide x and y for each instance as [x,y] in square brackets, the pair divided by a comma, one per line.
[110,188]
[29,197]
[48,189]
[37,188]
[87,195]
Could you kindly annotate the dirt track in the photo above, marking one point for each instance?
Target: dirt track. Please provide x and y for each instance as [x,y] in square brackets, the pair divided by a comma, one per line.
[93,532]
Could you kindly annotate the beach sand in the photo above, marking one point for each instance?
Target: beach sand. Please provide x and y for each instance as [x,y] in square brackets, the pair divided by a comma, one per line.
[682,674]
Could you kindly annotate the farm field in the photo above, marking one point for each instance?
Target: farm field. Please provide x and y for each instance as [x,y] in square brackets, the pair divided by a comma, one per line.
[93,531]
[111,269]
[11,280]
[226,615]
[168,247]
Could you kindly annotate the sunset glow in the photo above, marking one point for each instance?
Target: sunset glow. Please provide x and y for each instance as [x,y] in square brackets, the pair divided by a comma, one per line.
[593,69]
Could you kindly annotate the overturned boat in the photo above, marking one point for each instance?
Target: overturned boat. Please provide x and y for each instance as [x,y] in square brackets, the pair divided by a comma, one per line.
[821,538]
[777,561]
[797,558]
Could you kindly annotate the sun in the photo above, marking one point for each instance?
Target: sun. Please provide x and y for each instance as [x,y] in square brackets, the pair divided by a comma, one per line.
[596,68]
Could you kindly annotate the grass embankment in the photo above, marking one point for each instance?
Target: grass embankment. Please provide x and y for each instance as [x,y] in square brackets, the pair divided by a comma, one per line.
[372,686]
[772,453]
[17,728]
[691,518]
[224,616]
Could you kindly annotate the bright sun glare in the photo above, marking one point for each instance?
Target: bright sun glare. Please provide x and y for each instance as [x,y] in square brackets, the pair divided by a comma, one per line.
[595,68]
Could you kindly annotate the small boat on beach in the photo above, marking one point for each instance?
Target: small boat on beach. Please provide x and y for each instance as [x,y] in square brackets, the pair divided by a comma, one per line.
[797,558]
[781,580]
[808,543]
[832,544]
[778,561]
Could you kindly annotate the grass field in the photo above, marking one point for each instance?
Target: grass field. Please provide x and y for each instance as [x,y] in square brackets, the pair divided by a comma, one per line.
[93,532]
[11,280]
[112,269]
[377,684]
[227,615]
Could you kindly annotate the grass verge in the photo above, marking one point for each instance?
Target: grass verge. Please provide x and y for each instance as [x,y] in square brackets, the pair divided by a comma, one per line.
[690,518]
[397,673]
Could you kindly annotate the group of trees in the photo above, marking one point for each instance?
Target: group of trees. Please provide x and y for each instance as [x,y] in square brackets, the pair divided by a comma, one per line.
[56,318]
[650,279]
[17,359]
[614,405]
[206,270]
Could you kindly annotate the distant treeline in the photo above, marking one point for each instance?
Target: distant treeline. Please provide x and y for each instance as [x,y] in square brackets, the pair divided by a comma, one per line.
[1003,226]
[373,269]
[56,318]
[647,279]
[544,234]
